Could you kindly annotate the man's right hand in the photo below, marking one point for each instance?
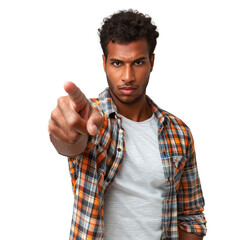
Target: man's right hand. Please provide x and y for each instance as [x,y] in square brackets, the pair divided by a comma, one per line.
[72,121]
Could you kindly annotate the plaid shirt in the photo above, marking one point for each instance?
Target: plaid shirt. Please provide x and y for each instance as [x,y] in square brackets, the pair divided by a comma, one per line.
[94,170]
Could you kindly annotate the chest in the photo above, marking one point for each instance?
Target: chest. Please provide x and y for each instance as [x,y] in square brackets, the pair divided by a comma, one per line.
[151,149]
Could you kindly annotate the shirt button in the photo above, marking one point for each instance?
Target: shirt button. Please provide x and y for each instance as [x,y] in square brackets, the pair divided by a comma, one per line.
[119,149]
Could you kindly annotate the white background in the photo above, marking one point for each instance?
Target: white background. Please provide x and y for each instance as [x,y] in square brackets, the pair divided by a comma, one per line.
[45,43]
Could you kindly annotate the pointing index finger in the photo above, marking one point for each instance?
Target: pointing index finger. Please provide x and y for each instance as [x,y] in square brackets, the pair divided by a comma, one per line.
[75,94]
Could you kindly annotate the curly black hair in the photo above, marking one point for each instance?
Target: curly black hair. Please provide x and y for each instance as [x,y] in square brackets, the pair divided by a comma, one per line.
[127,26]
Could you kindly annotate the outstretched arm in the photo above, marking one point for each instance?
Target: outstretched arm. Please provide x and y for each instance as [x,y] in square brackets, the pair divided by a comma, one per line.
[72,121]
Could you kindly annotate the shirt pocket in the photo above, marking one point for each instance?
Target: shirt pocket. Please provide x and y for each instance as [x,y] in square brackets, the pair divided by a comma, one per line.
[178,167]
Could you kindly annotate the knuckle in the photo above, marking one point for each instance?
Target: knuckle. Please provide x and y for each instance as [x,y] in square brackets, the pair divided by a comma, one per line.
[50,130]
[53,115]
[73,135]
[58,134]
[61,101]
[51,126]
[73,120]
[53,130]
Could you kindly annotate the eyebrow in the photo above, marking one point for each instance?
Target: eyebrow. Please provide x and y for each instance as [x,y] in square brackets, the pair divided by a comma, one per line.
[135,60]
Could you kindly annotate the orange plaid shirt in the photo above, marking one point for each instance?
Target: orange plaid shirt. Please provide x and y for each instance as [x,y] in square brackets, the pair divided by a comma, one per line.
[94,170]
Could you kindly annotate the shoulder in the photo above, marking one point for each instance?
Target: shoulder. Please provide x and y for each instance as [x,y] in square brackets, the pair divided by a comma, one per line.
[175,122]
[177,129]
[169,120]
[179,136]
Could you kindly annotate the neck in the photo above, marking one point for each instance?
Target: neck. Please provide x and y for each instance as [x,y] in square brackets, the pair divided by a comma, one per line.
[138,112]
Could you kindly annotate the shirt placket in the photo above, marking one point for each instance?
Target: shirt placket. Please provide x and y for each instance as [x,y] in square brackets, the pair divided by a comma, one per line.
[119,153]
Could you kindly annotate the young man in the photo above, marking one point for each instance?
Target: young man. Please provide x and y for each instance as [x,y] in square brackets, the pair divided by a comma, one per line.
[132,164]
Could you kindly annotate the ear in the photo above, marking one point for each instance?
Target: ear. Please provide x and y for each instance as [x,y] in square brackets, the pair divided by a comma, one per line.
[152,61]
[104,62]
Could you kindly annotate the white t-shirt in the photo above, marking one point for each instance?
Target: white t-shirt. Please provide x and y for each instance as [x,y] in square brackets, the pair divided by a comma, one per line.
[133,203]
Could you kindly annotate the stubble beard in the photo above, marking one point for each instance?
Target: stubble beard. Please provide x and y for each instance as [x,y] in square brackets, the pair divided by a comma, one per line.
[129,101]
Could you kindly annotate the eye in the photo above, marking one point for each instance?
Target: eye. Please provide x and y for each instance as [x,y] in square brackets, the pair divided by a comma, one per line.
[117,63]
[138,63]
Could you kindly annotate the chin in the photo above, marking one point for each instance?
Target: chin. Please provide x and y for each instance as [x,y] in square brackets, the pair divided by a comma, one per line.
[128,100]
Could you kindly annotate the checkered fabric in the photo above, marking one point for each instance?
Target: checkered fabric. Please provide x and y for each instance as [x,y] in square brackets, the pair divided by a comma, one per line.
[94,170]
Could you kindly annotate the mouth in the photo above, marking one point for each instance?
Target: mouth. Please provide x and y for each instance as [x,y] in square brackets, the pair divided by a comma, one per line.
[127,90]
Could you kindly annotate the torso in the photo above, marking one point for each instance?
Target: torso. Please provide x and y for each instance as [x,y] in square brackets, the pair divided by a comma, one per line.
[133,203]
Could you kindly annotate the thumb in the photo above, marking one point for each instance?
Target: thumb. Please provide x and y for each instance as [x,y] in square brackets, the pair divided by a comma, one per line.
[94,122]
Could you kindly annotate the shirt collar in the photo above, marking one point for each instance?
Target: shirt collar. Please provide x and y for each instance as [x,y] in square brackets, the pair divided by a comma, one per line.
[108,107]
[160,114]
[106,103]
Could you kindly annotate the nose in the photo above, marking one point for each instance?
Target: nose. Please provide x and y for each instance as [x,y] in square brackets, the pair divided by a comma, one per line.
[128,73]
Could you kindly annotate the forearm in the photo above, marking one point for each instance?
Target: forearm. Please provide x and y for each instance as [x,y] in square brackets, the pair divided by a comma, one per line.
[188,236]
[70,150]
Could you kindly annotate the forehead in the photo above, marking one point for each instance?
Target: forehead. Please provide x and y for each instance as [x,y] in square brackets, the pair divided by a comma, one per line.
[128,51]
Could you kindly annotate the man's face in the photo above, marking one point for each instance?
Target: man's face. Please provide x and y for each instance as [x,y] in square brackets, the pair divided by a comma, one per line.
[128,68]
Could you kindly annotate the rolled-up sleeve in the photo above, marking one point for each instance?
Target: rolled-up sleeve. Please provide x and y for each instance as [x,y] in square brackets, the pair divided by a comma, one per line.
[190,197]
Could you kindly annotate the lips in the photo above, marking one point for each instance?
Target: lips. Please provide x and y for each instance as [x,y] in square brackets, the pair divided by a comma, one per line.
[127,90]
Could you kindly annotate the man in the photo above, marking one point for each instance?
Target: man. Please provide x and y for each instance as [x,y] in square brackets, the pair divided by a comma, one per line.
[133,165]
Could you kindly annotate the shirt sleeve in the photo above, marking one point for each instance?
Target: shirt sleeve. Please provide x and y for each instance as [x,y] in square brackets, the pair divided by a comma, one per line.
[75,163]
[190,198]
